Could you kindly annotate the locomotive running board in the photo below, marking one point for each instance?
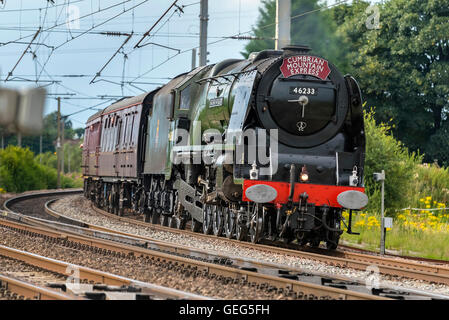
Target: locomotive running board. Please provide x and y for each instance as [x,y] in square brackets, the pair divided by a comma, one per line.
[188,198]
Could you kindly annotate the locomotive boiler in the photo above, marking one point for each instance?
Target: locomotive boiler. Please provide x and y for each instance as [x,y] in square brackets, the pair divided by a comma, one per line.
[269,148]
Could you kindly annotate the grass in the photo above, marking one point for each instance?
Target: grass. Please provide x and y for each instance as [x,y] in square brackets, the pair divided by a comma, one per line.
[414,233]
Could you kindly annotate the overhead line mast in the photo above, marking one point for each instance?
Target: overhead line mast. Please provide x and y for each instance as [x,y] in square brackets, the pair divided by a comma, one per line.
[283,22]
[204,17]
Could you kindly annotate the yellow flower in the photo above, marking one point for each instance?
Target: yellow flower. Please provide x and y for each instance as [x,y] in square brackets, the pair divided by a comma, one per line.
[360,223]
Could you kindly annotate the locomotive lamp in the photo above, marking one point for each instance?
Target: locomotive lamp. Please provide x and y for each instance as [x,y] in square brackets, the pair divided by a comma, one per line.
[354,179]
[254,173]
[304,176]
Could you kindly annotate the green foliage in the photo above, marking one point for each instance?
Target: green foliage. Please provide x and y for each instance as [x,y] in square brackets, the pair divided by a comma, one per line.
[49,135]
[403,68]
[19,172]
[384,152]
[72,158]
[313,29]
[405,242]
[47,159]
[429,180]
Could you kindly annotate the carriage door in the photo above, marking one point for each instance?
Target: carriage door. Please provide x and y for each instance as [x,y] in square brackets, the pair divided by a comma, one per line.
[86,152]
[117,146]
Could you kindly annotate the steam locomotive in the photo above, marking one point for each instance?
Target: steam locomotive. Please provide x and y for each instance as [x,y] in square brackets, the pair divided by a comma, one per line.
[270,148]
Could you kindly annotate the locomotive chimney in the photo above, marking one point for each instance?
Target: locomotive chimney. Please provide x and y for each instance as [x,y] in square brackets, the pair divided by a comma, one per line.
[295,49]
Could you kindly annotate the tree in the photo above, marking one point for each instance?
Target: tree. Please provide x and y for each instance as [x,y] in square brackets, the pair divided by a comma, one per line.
[403,68]
[49,135]
[309,26]
[19,171]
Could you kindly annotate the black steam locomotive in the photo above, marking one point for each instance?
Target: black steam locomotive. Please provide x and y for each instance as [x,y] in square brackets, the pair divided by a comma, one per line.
[268,148]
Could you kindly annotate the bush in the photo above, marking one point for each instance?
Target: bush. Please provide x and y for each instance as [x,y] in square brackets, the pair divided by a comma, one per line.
[429,181]
[19,172]
[48,159]
[384,152]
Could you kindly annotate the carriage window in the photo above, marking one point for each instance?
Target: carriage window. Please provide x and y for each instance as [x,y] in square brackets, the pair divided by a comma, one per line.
[131,142]
[117,138]
[128,131]
[185,99]
[125,126]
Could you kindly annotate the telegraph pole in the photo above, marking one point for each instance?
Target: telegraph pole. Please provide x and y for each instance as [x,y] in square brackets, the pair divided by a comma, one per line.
[62,144]
[68,161]
[283,14]
[204,17]
[193,58]
[40,149]
[58,144]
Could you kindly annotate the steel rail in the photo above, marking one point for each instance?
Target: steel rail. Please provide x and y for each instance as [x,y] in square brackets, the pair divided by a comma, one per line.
[359,261]
[431,273]
[263,267]
[30,291]
[390,266]
[89,274]
[341,253]
[303,289]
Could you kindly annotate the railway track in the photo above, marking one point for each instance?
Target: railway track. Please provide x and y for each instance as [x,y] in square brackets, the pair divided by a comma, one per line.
[281,286]
[19,203]
[272,285]
[16,289]
[79,281]
[397,267]
[260,267]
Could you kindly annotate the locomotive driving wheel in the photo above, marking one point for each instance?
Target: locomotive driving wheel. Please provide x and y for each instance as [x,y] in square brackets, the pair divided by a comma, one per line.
[165,219]
[256,223]
[179,221]
[218,220]
[195,225]
[241,230]
[148,215]
[229,222]
[208,212]
[155,217]
[333,237]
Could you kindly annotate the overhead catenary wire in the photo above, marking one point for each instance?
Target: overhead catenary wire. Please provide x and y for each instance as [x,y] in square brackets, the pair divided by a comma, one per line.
[24,52]
[235,35]
[82,17]
[134,80]
[110,59]
[154,25]
[37,9]
[103,22]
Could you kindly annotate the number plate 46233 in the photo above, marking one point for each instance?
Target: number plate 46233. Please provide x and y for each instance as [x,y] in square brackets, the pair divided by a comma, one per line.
[304,91]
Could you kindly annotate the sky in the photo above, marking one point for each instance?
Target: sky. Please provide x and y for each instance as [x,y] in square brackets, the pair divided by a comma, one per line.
[72,57]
